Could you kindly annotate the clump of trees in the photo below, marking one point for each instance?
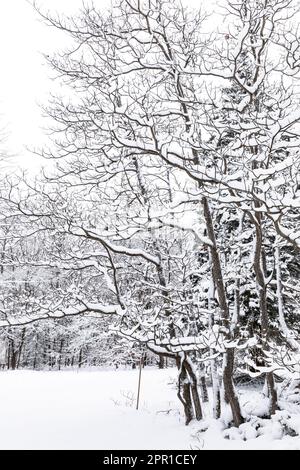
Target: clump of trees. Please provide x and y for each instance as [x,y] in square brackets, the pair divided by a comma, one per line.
[173,208]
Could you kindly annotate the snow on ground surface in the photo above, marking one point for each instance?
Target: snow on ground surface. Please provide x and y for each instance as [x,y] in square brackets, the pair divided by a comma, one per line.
[96,410]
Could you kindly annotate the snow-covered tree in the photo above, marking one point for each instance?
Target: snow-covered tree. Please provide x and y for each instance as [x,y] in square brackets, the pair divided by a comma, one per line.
[173,207]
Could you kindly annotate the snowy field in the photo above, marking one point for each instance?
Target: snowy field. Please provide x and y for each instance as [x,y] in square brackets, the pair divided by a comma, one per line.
[96,410]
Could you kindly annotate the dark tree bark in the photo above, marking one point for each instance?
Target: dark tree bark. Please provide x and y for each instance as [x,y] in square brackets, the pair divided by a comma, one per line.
[203,386]
[259,268]
[21,345]
[12,355]
[80,358]
[35,353]
[161,362]
[60,353]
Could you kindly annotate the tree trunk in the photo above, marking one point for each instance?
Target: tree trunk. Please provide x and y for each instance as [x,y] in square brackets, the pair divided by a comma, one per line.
[260,277]
[60,353]
[213,363]
[13,355]
[21,347]
[216,390]
[203,387]
[80,358]
[161,362]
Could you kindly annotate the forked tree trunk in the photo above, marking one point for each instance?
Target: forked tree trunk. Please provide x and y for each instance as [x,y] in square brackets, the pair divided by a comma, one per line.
[184,394]
[188,392]
[220,288]
[187,385]
[194,389]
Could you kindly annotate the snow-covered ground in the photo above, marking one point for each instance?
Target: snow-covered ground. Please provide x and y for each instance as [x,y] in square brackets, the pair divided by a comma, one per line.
[96,410]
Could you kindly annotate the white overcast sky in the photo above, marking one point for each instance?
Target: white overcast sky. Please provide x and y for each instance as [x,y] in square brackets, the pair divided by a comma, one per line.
[24,77]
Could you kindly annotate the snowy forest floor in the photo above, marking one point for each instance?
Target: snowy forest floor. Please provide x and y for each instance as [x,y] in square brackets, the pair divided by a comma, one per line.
[96,410]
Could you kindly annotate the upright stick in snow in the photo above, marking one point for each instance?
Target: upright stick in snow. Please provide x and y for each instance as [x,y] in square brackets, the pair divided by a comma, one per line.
[139,382]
